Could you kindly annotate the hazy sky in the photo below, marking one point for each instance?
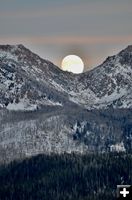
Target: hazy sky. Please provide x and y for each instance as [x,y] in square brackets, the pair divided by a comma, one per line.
[92,29]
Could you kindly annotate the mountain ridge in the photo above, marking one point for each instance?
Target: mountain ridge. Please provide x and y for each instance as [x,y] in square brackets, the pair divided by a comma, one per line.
[87,89]
[44,110]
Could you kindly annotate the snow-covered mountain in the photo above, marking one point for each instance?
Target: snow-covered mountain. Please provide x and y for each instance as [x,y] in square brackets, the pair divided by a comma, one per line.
[29,82]
[44,109]
[111,82]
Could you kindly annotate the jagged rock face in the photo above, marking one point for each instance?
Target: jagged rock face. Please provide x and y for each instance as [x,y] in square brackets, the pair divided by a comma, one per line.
[46,110]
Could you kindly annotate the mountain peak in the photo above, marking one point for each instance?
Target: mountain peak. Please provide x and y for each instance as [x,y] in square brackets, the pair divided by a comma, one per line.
[20,54]
[11,47]
[126,56]
[129,48]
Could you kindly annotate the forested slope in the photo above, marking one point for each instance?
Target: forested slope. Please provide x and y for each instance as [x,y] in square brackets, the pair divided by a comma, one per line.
[65,177]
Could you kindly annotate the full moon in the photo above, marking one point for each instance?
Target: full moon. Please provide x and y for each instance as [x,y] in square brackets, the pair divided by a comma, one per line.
[72,63]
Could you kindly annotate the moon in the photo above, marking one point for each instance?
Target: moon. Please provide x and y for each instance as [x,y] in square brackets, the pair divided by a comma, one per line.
[72,63]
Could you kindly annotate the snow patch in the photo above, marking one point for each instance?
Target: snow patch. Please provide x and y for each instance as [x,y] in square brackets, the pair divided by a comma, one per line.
[119,147]
[21,106]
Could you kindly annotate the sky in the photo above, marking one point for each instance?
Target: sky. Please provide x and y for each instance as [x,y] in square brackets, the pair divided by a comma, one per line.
[91,29]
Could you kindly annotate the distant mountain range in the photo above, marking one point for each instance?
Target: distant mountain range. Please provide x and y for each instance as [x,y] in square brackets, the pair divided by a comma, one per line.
[44,109]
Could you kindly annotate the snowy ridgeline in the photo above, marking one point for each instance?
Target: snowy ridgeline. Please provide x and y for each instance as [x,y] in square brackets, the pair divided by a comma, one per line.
[22,72]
